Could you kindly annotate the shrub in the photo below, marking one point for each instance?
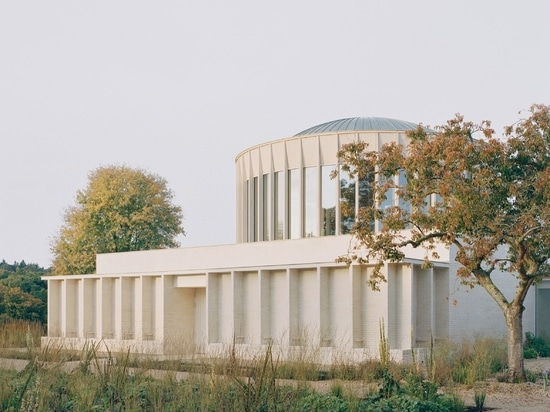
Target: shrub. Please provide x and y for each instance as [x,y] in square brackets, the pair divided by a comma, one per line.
[530,353]
[316,402]
[407,403]
[467,362]
[536,343]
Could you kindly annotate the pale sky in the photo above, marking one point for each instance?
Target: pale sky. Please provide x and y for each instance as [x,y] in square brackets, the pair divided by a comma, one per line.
[179,88]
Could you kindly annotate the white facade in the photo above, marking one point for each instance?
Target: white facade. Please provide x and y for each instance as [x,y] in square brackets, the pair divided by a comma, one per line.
[279,285]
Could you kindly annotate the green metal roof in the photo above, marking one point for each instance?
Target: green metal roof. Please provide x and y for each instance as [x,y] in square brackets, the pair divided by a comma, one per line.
[360,124]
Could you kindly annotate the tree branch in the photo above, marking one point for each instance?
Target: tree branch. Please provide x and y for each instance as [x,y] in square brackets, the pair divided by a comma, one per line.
[417,243]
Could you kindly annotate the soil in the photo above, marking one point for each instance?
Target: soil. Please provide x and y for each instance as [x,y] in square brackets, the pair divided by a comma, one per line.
[523,397]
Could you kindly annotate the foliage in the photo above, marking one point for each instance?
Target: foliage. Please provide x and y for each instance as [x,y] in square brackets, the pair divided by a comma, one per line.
[23,293]
[536,344]
[122,209]
[487,197]
[479,398]
[530,353]
[416,395]
[467,362]
[317,402]
[116,382]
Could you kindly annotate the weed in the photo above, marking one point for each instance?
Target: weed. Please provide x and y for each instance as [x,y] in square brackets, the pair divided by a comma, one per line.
[479,398]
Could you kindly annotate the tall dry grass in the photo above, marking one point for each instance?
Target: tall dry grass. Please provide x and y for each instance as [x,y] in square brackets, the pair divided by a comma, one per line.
[56,379]
[14,334]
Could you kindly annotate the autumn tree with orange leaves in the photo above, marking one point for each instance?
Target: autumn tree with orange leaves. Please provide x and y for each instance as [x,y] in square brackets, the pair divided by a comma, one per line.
[492,204]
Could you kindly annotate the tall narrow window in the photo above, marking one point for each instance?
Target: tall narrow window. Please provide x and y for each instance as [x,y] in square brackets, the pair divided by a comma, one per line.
[402,182]
[366,194]
[266,204]
[294,217]
[328,202]
[347,202]
[388,201]
[255,216]
[278,204]
[311,208]
[247,210]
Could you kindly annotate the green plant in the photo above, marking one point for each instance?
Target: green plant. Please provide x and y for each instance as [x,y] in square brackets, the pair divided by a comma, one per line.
[479,398]
[545,375]
[419,388]
[451,402]
[384,347]
[259,388]
[537,344]
[530,353]
[318,402]
[531,376]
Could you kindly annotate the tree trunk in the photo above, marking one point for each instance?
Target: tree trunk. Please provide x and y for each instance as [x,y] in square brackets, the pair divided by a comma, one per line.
[514,325]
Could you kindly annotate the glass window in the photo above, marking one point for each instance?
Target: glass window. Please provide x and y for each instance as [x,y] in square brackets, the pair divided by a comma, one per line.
[388,201]
[347,202]
[255,210]
[247,211]
[402,182]
[328,202]
[366,193]
[294,203]
[266,203]
[310,202]
[278,204]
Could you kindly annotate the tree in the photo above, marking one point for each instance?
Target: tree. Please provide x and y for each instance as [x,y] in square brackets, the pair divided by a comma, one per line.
[122,209]
[18,305]
[23,293]
[486,197]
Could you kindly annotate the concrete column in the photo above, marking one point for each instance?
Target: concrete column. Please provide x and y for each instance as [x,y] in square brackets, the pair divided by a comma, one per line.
[255,293]
[237,307]
[325,326]
[357,301]
[56,306]
[87,310]
[69,323]
[149,307]
[127,318]
[117,308]
[264,294]
[80,332]
[138,308]
[159,305]
[402,305]
[98,308]
[441,303]
[108,308]
[293,315]
[211,308]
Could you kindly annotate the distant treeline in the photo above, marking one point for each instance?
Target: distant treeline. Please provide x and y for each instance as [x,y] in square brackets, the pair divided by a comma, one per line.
[23,294]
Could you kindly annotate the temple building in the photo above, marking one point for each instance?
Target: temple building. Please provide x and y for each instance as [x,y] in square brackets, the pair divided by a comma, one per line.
[279,284]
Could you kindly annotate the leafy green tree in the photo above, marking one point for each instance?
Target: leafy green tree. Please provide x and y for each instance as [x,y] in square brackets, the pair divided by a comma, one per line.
[487,197]
[122,209]
[18,305]
[23,293]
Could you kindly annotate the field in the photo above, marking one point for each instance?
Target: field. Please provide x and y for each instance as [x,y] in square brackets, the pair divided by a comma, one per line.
[452,377]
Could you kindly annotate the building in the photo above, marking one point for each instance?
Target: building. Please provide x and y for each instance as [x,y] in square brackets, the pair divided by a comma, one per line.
[279,284]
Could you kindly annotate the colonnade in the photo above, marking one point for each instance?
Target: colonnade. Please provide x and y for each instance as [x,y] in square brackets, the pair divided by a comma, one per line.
[317,306]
